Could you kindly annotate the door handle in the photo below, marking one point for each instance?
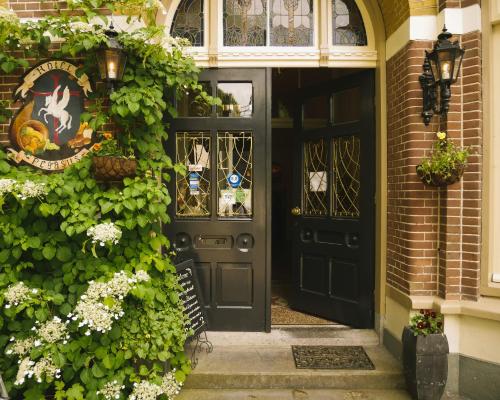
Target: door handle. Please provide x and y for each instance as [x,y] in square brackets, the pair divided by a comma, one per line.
[296,211]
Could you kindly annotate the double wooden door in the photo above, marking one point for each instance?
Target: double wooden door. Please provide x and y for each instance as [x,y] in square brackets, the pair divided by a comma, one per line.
[219,215]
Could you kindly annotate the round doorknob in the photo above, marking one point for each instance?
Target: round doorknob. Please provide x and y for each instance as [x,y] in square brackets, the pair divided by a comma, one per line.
[296,211]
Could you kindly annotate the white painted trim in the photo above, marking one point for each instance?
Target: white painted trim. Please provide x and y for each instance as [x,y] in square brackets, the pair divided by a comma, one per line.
[460,20]
[427,27]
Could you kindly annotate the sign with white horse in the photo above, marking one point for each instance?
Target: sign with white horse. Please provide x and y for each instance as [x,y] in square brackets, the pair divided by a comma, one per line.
[46,132]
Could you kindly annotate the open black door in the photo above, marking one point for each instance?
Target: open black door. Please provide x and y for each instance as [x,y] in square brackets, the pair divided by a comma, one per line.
[219,208]
[334,192]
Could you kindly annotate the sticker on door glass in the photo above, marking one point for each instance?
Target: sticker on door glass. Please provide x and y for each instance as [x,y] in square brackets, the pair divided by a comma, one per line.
[318,181]
[234,180]
[194,183]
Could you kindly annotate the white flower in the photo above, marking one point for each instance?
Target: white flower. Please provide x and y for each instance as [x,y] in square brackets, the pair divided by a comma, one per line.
[6,185]
[20,347]
[106,233]
[30,189]
[142,276]
[91,310]
[53,331]
[145,391]
[16,294]
[24,370]
[46,367]
[170,385]
[111,390]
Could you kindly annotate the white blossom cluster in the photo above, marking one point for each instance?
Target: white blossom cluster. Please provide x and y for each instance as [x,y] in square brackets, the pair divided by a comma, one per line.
[106,233]
[17,294]
[170,385]
[30,189]
[7,186]
[53,331]
[111,390]
[43,367]
[20,347]
[145,390]
[101,304]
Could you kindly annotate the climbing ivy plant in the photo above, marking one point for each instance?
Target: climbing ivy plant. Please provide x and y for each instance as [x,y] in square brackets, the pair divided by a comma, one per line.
[89,298]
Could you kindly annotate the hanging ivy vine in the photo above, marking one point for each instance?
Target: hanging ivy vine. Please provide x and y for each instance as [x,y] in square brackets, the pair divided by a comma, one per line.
[89,303]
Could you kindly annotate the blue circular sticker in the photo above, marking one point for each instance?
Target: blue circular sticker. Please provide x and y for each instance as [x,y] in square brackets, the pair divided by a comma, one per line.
[234,180]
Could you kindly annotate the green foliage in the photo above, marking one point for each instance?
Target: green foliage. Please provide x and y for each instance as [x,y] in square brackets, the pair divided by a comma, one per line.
[426,322]
[42,237]
[445,159]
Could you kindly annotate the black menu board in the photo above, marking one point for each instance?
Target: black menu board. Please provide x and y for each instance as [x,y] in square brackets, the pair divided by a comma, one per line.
[191,297]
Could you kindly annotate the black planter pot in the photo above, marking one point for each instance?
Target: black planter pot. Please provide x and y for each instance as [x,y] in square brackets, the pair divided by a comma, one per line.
[425,363]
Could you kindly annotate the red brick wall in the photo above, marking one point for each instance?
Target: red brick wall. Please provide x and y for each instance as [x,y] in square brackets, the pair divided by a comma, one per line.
[417,262]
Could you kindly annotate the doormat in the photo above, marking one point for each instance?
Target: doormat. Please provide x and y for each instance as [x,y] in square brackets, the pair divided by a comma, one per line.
[331,357]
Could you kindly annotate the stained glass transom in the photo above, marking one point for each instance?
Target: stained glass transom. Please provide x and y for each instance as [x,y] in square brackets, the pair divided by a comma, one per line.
[346,177]
[188,22]
[193,188]
[348,26]
[292,23]
[245,22]
[235,174]
[315,202]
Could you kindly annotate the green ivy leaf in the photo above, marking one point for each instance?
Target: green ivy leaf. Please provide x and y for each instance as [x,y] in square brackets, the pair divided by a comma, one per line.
[75,392]
[64,254]
[49,252]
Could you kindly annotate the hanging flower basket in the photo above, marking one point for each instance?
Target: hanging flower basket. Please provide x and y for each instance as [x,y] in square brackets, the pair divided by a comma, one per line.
[439,179]
[446,163]
[110,168]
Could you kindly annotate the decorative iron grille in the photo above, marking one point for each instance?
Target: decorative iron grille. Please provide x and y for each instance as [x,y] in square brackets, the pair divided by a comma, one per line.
[235,174]
[346,177]
[193,189]
[315,180]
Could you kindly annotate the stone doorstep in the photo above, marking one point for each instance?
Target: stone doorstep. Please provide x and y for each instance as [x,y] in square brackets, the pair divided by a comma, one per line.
[293,394]
[264,361]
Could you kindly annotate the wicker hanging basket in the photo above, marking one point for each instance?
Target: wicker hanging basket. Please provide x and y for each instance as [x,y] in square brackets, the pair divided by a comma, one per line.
[439,180]
[108,168]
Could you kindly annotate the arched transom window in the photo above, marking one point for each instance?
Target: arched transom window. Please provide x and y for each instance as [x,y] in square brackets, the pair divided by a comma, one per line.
[188,22]
[348,26]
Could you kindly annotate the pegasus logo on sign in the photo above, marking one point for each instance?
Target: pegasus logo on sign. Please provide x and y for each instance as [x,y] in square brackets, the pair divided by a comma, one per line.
[57,109]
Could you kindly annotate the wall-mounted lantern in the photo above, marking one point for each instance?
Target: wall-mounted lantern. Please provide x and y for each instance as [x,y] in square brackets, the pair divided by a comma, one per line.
[111,59]
[441,68]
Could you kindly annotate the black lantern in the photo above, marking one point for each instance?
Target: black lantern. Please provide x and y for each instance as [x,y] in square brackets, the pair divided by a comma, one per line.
[111,59]
[441,67]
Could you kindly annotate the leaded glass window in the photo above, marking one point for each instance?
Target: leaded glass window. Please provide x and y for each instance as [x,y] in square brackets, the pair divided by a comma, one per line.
[346,176]
[245,22]
[188,22]
[193,188]
[234,174]
[292,23]
[348,26]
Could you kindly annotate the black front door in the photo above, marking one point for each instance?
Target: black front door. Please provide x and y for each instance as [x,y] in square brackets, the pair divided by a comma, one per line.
[334,191]
[219,208]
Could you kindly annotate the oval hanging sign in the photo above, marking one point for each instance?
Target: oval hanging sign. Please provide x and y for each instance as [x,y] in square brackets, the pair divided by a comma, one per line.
[46,132]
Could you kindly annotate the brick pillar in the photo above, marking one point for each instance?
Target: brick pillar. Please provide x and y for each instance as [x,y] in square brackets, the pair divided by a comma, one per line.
[433,235]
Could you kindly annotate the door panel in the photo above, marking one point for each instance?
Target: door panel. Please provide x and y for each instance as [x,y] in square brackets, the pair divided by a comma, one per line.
[218,217]
[334,191]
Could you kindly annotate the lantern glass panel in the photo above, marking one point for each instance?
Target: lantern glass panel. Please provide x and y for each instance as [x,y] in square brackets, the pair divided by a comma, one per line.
[111,64]
[458,64]
[434,65]
[446,63]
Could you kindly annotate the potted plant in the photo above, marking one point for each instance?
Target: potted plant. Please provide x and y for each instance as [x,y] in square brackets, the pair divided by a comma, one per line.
[446,163]
[110,162]
[425,356]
